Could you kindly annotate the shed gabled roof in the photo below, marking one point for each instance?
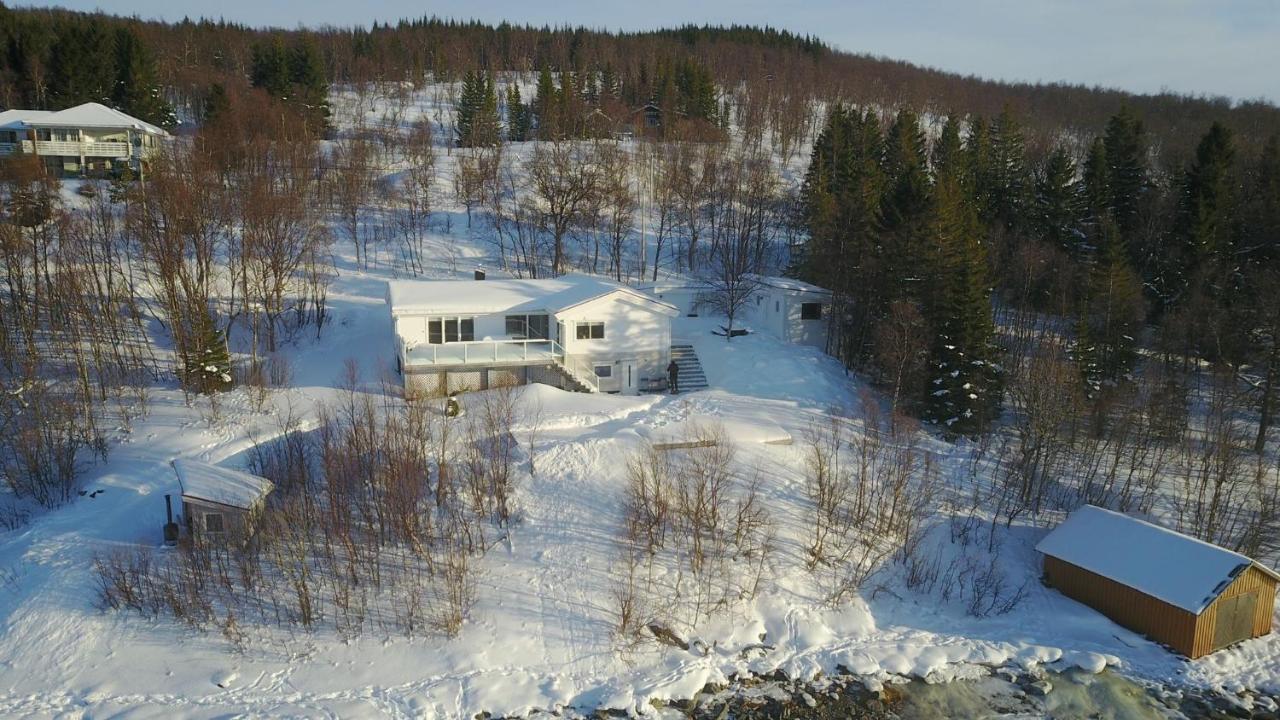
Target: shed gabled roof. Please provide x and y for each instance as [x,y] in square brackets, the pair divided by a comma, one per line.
[786,283]
[224,486]
[1180,570]
[421,297]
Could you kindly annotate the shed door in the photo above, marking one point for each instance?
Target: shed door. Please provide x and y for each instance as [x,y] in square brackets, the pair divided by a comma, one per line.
[1235,619]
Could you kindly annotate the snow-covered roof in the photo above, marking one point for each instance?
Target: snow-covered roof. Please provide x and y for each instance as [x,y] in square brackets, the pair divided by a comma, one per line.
[224,486]
[424,297]
[786,283]
[88,115]
[1178,569]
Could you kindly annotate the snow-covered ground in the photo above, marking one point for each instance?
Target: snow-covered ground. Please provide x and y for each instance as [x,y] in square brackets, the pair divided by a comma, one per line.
[542,632]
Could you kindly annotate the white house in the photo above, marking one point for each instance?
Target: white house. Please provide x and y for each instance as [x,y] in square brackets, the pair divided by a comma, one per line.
[576,332]
[791,310]
[85,138]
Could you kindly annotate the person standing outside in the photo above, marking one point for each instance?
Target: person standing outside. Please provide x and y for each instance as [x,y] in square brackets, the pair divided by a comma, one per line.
[673,377]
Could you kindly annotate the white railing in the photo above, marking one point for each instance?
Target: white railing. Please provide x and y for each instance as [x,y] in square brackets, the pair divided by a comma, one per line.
[582,370]
[494,352]
[70,148]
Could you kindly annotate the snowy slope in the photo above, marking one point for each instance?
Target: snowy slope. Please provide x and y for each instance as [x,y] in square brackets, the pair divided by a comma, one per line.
[542,633]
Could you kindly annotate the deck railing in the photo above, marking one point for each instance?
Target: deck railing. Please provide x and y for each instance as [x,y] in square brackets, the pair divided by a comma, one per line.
[495,352]
[71,148]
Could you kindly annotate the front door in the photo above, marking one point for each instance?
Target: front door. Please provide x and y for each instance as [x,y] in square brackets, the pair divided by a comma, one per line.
[1235,619]
[629,379]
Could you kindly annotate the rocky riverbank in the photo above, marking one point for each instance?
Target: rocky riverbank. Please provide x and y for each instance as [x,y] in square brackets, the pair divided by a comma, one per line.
[1072,694]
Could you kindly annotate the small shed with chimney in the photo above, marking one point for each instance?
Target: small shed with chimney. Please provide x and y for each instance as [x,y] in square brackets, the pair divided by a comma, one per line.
[220,504]
[1189,595]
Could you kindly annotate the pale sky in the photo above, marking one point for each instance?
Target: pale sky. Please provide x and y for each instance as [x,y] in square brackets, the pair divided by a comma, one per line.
[1210,47]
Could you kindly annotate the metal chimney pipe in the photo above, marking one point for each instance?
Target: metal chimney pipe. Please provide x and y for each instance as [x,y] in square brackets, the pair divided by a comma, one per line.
[168,508]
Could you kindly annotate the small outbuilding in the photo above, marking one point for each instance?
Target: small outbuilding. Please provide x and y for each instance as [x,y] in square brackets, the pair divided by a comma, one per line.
[220,504]
[1190,595]
[791,310]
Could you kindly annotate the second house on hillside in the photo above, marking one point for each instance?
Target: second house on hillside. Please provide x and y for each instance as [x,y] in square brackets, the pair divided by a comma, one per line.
[576,332]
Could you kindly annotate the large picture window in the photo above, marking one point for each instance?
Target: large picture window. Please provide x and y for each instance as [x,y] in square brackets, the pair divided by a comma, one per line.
[527,327]
[810,311]
[591,331]
[447,330]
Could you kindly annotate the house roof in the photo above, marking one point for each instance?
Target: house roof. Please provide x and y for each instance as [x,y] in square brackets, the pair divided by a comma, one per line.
[224,486]
[88,115]
[1167,565]
[425,297]
[786,283]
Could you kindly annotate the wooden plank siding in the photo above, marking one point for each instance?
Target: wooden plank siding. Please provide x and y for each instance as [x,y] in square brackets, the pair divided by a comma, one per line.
[1251,580]
[1183,631]
[1131,608]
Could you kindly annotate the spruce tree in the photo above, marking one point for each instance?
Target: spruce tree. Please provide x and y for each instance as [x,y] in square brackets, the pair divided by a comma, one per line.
[1097,185]
[1112,313]
[137,89]
[477,123]
[1262,211]
[269,68]
[947,156]
[546,106]
[1008,192]
[1204,219]
[82,64]
[1058,205]
[517,116]
[904,207]
[207,365]
[1127,180]
[979,176]
[309,87]
[216,105]
[964,389]
[841,199]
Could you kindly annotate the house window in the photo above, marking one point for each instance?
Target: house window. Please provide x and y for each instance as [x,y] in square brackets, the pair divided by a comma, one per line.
[777,306]
[447,330]
[213,523]
[591,331]
[604,371]
[810,311]
[527,327]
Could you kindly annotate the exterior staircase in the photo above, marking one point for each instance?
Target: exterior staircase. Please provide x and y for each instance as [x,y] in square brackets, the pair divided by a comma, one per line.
[577,379]
[692,377]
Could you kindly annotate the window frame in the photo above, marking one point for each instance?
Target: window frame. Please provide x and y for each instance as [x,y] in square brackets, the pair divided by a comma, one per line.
[443,330]
[222,523]
[522,327]
[608,371]
[804,315]
[594,330]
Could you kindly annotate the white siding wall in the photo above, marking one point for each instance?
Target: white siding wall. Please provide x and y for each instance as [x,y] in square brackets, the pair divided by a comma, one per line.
[776,311]
[631,333]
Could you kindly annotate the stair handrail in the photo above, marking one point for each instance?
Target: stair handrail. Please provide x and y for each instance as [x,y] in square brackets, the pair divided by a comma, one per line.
[575,367]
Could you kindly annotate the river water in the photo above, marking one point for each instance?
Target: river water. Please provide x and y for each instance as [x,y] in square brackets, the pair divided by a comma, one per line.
[1068,695]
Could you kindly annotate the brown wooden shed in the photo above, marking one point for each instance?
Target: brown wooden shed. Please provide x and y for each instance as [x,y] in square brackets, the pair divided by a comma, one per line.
[1187,594]
[220,504]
